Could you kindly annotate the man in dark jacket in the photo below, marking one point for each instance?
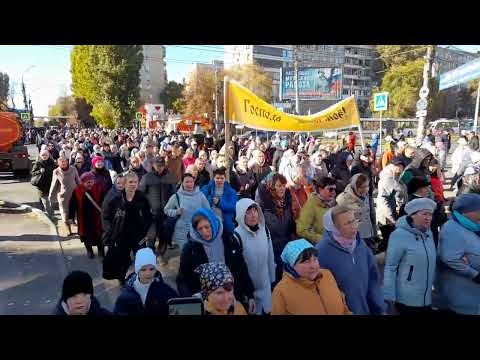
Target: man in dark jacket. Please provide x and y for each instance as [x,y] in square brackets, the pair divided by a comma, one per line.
[42,173]
[158,186]
[145,292]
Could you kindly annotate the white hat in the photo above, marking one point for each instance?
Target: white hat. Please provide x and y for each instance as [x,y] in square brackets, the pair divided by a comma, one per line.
[145,257]
[420,204]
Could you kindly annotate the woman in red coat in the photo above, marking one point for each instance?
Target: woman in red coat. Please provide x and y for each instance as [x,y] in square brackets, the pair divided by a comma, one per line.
[88,211]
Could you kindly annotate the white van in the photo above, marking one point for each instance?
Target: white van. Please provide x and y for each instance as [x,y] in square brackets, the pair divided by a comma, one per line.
[444,124]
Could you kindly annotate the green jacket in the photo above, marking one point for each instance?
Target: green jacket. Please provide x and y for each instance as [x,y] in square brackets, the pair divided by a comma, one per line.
[310,221]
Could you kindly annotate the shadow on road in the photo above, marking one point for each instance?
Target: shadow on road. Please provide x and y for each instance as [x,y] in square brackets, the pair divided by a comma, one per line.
[29,237]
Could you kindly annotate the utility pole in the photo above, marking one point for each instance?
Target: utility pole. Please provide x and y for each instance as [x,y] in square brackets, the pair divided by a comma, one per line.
[295,63]
[24,96]
[426,71]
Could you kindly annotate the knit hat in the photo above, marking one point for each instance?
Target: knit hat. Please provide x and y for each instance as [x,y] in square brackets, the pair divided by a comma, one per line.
[213,275]
[467,203]
[293,249]
[96,159]
[144,257]
[76,282]
[87,177]
[420,204]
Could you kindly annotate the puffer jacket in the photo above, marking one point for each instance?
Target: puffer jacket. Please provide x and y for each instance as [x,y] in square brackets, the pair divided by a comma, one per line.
[392,194]
[310,221]
[362,209]
[189,201]
[298,296]
[409,265]
[129,301]
[459,263]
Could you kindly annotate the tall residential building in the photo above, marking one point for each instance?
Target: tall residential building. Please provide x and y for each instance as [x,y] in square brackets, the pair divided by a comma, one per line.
[153,73]
[354,60]
[449,58]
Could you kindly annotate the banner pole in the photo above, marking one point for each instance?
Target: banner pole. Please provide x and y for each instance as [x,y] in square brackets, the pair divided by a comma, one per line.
[228,138]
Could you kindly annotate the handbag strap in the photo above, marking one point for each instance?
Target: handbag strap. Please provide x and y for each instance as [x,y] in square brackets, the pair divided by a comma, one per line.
[93,202]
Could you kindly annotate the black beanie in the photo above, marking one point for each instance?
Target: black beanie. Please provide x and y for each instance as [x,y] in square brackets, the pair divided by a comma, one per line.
[416,184]
[75,283]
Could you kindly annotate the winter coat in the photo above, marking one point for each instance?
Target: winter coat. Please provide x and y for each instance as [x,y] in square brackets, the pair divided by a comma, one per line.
[226,204]
[102,177]
[61,188]
[89,219]
[116,161]
[409,265]
[83,169]
[138,219]
[258,255]
[461,157]
[415,169]
[299,198]
[139,171]
[45,178]
[340,172]
[189,201]
[356,274]
[260,172]
[129,301]
[294,295]
[95,309]
[362,209]
[459,263]
[193,255]
[244,178]
[158,188]
[392,194]
[310,221]
[281,228]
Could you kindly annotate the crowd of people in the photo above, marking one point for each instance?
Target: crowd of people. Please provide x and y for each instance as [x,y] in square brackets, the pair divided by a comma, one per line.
[282,226]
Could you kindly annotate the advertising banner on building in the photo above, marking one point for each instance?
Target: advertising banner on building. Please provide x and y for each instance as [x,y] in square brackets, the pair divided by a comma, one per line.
[318,83]
[462,74]
[243,107]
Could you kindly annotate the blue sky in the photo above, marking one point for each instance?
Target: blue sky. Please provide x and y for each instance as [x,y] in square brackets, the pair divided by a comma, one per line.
[50,77]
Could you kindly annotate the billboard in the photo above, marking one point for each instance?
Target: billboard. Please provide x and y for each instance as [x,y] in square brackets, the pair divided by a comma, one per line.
[314,83]
[462,74]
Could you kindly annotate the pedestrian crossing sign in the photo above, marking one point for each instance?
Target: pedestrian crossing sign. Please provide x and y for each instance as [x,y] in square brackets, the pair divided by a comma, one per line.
[25,116]
[380,101]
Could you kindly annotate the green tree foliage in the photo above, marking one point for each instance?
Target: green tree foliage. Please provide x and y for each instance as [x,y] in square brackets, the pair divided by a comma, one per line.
[107,77]
[171,93]
[178,106]
[198,93]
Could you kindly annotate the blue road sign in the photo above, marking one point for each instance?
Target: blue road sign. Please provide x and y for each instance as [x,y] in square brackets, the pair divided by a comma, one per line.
[380,101]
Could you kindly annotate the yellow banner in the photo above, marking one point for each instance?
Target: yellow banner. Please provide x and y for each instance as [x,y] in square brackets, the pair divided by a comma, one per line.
[245,108]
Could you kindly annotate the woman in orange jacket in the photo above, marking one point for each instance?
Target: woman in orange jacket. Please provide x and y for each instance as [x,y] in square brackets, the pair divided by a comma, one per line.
[305,288]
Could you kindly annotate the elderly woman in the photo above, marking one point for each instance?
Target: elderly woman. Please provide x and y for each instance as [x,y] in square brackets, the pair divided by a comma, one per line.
[255,239]
[101,174]
[356,198]
[458,275]
[410,261]
[86,203]
[245,178]
[182,205]
[64,180]
[42,173]
[351,262]
[305,288]
[217,285]
[188,159]
[206,244]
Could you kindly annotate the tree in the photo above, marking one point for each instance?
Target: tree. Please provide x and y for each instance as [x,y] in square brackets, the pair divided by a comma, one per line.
[4,87]
[198,92]
[171,93]
[254,78]
[108,78]
[178,106]
[394,55]
[83,111]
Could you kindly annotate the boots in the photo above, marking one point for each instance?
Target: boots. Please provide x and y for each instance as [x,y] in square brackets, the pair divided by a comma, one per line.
[101,251]
[90,253]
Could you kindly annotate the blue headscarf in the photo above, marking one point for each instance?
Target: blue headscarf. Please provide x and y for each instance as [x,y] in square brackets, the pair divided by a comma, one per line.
[213,247]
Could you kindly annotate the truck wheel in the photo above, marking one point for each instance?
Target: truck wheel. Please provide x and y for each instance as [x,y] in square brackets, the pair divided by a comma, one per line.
[21,174]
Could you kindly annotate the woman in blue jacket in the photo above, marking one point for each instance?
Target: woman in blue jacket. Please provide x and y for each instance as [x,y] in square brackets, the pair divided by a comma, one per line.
[410,261]
[458,275]
[351,262]
[222,198]
[145,292]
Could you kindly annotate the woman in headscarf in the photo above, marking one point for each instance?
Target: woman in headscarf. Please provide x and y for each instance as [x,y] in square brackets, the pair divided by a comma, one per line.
[319,165]
[64,180]
[206,244]
[306,289]
[217,286]
[418,168]
[255,239]
[296,183]
[276,202]
[188,159]
[102,175]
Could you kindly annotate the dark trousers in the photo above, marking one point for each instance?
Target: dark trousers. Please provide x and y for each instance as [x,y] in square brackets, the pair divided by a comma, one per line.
[413,310]
[386,231]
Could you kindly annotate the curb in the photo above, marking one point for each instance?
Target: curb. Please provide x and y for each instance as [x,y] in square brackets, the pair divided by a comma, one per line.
[52,228]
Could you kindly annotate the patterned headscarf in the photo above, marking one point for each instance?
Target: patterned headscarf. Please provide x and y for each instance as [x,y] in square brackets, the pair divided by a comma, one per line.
[213,276]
